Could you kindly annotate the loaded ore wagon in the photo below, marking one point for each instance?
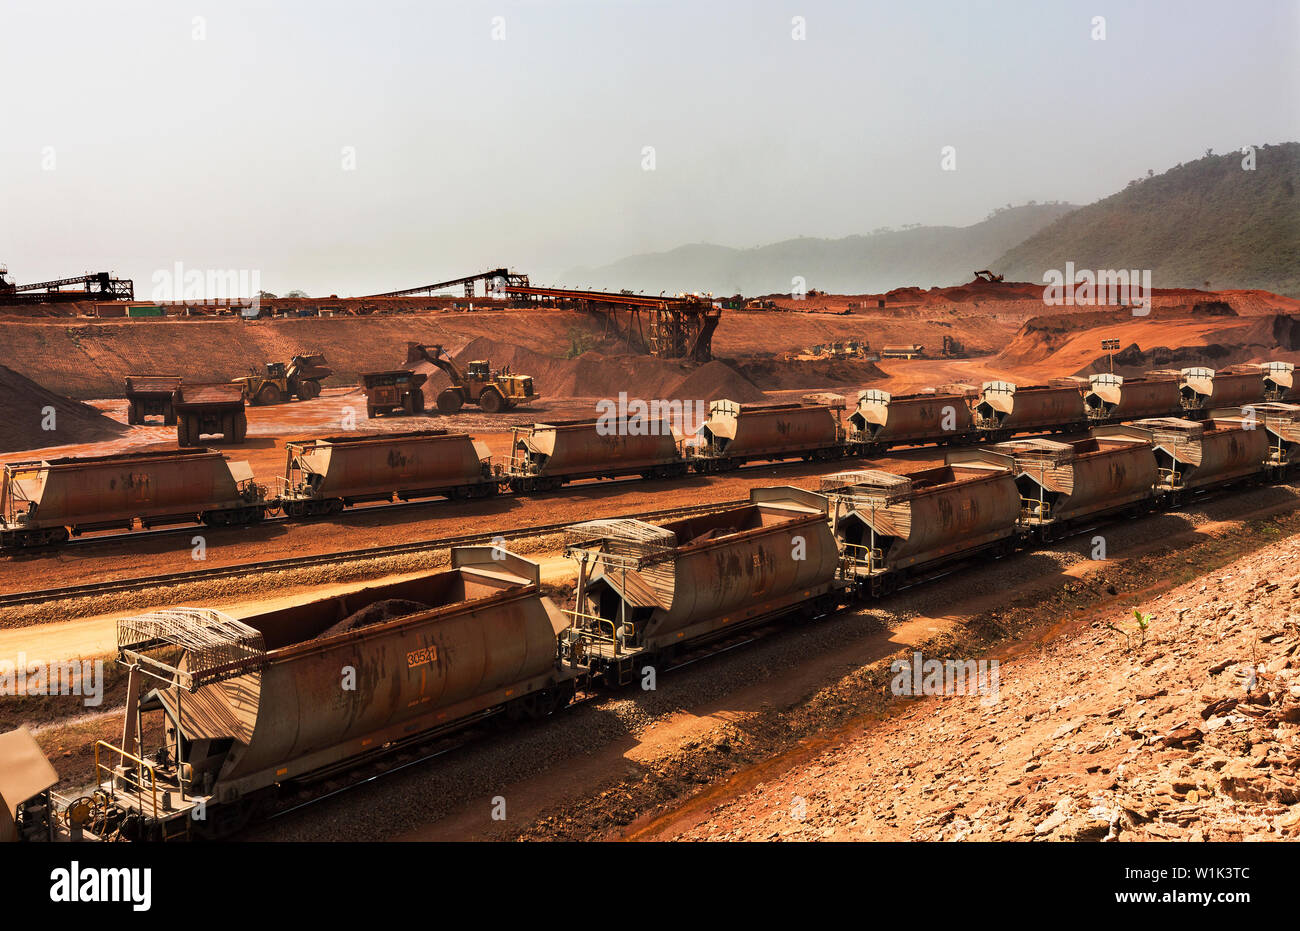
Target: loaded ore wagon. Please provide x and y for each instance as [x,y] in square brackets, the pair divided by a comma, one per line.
[151,396]
[544,456]
[1202,454]
[325,475]
[1004,409]
[1280,382]
[738,433]
[645,588]
[883,420]
[264,702]
[1204,388]
[211,409]
[1064,484]
[1282,423]
[891,526]
[43,502]
[1113,398]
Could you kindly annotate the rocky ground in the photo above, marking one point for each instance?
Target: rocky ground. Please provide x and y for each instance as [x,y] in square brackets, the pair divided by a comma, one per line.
[1185,731]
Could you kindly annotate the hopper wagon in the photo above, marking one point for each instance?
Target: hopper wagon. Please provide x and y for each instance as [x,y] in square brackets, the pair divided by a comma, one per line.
[1004,408]
[1065,484]
[891,527]
[44,502]
[211,409]
[736,434]
[325,475]
[227,713]
[1113,398]
[882,420]
[151,396]
[1281,422]
[1198,455]
[645,589]
[1205,389]
[545,456]
[1280,382]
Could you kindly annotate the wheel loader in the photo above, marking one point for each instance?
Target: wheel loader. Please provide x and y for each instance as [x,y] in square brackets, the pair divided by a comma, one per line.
[491,391]
[299,378]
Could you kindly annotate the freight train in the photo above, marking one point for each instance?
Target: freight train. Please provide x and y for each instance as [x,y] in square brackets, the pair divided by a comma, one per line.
[44,503]
[225,718]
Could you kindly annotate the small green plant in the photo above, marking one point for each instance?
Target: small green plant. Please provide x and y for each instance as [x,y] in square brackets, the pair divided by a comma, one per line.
[1142,623]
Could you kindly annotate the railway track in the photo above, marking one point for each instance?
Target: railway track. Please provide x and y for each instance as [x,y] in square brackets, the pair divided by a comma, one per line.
[38,596]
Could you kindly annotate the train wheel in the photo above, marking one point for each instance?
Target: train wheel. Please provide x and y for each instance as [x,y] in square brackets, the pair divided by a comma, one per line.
[334,506]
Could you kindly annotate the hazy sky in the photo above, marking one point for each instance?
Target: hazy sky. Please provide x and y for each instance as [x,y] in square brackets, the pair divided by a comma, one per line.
[135,137]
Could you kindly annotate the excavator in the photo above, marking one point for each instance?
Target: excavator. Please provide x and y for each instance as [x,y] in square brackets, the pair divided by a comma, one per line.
[492,391]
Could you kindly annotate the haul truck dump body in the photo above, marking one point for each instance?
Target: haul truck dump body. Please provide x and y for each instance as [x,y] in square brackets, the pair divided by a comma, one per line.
[151,396]
[260,701]
[212,409]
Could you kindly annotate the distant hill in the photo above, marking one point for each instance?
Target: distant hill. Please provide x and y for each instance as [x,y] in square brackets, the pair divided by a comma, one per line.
[1207,220]
[924,255]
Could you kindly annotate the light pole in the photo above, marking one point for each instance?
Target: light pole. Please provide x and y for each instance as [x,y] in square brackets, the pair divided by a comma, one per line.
[1109,346]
